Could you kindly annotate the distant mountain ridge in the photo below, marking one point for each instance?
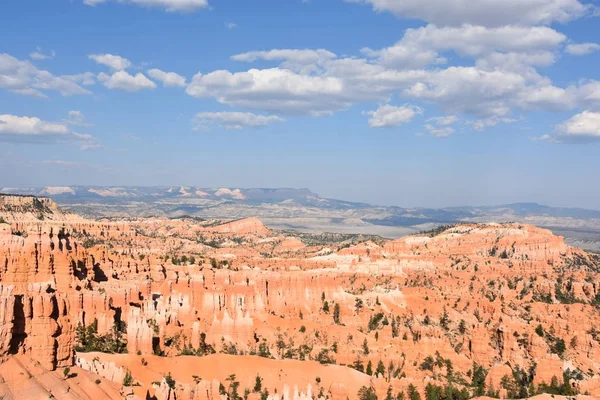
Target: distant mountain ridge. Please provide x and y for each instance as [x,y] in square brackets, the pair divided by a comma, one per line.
[304,210]
[301,196]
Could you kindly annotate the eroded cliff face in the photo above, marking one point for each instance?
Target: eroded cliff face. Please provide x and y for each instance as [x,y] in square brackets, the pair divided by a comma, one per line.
[480,307]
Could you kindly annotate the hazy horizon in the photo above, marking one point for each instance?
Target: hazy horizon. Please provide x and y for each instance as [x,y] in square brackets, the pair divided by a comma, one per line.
[407,103]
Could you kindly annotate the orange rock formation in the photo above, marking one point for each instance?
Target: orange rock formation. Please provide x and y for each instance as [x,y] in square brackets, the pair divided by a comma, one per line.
[193,309]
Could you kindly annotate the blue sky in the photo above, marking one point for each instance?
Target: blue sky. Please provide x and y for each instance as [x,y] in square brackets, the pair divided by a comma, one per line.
[412,103]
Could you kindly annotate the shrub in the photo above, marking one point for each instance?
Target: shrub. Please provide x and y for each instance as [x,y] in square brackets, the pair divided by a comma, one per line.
[539,330]
[558,347]
[380,369]
[413,394]
[257,384]
[324,358]
[336,313]
[462,326]
[369,370]
[127,379]
[88,340]
[367,393]
[365,347]
[170,381]
[374,321]
[427,364]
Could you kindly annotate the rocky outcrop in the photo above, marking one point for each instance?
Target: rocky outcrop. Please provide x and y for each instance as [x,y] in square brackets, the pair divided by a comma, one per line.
[246,226]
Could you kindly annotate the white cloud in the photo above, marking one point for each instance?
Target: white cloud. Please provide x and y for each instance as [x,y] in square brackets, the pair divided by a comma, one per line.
[440,126]
[405,55]
[273,90]
[125,81]
[168,79]
[483,12]
[230,25]
[168,5]
[233,120]
[497,76]
[76,118]
[547,97]
[523,64]
[336,86]
[581,128]
[439,131]
[12,124]
[115,62]
[387,116]
[24,78]
[85,78]
[298,60]
[445,120]
[300,56]
[581,49]
[498,85]
[15,128]
[459,90]
[481,124]
[419,47]
[39,55]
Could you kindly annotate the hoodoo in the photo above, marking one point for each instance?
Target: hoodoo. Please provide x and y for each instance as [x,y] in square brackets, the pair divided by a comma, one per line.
[186,308]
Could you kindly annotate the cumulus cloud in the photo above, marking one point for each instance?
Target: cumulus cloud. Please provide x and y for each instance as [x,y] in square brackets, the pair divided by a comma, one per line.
[22,77]
[491,90]
[419,47]
[501,45]
[504,75]
[167,5]
[581,128]
[582,49]
[124,81]
[468,90]
[491,13]
[12,124]
[388,116]
[168,79]
[15,128]
[115,62]
[273,90]
[301,60]
[233,120]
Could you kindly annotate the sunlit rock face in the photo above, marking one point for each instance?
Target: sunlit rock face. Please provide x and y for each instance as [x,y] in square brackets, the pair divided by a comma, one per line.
[172,308]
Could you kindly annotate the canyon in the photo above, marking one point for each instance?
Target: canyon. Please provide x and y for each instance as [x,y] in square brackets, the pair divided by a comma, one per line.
[192,308]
